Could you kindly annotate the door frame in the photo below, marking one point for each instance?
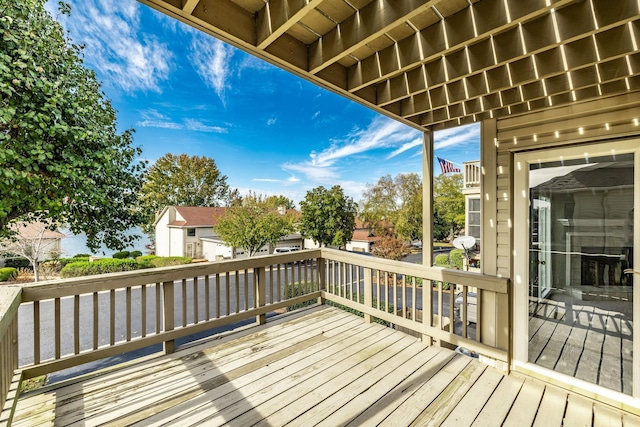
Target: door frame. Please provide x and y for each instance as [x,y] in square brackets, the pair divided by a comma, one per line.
[521,224]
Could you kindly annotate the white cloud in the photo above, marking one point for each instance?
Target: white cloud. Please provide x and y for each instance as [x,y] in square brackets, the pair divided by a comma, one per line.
[406,146]
[116,47]
[272,121]
[456,136]
[155,119]
[381,133]
[211,60]
[316,114]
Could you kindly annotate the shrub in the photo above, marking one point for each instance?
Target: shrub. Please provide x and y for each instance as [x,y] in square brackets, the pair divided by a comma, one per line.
[442,260]
[165,261]
[65,261]
[121,255]
[7,273]
[101,266]
[146,258]
[456,258]
[17,263]
[82,256]
[135,254]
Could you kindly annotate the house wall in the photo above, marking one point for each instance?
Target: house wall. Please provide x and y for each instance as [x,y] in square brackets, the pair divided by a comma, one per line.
[163,234]
[176,241]
[358,246]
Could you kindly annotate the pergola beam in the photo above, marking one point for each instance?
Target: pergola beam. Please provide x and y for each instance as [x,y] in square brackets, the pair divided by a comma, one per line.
[366,25]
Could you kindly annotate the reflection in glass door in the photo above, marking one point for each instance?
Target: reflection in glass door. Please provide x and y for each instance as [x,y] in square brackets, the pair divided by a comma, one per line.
[580,304]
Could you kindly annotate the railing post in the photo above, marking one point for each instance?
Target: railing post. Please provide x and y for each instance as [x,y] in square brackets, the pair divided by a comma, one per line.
[259,282]
[168,314]
[368,294]
[322,279]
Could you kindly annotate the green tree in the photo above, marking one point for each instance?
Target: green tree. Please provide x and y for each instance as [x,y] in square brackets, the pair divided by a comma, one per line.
[182,180]
[280,201]
[448,203]
[61,156]
[252,224]
[328,216]
[396,202]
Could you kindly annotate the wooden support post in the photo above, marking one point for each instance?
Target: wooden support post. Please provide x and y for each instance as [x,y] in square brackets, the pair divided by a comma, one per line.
[427,229]
[168,311]
[259,281]
[368,294]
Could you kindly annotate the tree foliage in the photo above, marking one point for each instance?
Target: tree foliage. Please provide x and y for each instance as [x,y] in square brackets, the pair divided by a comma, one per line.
[182,180]
[328,216]
[61,156]
[448,203]
[253,224]
[395,201]
[390,247]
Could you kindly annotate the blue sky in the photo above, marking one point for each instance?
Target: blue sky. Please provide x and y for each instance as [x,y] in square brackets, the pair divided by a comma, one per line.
[268,130]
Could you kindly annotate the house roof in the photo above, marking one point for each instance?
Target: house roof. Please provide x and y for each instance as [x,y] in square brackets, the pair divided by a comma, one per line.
[436,64]
[197,216]
[364,236]
[29,230]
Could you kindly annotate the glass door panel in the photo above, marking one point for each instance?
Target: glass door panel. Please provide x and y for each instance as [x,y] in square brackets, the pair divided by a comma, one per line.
[580,256]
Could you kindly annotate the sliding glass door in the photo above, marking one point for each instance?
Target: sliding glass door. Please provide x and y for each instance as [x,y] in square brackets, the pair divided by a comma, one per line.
[575,299]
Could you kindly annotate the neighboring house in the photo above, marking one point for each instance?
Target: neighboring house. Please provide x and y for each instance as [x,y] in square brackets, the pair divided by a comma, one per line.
[471,191]
[189,231]
[362,240]
[34,233]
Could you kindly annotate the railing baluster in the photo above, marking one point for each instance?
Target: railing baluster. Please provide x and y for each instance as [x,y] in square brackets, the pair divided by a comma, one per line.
[217,295]
[36,332]
[379,287]
[237,296]
[279,284]
[394,304]
[56,303]
[440,304]
[479,315]
[168,314]
[227,295]
[404,297]
[358,280]
[207,295]
[463,311]
[158,308]
[128,312]
[196,297]
[184,302]
[143,308]
[414,298]
[259,282]
[76,324]
[246,290]
[112,316]
[95,321]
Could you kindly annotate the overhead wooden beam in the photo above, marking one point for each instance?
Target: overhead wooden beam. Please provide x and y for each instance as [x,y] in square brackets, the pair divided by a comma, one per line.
[189,5]
[366,25]
[277,16]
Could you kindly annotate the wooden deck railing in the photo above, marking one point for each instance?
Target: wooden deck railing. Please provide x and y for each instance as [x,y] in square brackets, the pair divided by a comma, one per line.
[74,321]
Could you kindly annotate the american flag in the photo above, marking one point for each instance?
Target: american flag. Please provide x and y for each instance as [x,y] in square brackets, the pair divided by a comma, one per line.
[447,166]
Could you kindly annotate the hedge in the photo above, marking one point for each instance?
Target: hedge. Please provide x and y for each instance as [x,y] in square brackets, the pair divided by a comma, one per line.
[165,261]
[121,255]
[456,257]
[442,260]
[101,266]
[7,273]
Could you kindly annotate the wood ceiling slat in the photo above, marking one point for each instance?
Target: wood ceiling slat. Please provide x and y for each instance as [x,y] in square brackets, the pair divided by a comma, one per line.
[278,16]
[360,28]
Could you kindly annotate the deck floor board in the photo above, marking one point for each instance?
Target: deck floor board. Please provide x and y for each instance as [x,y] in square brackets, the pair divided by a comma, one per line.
[319,366]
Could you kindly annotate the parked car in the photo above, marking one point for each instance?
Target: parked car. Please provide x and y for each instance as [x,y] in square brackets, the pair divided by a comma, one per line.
[471,307]
[285,250]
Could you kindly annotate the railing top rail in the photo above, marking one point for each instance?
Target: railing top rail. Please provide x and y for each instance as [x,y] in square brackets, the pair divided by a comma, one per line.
[10,298]
[479,280]
[79,285]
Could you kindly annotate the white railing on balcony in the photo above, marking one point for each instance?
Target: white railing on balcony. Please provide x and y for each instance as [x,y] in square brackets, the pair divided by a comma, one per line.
[472,174]
[74,321]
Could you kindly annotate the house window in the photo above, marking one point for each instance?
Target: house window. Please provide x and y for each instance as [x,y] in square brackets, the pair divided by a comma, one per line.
[473,218]
[191,232]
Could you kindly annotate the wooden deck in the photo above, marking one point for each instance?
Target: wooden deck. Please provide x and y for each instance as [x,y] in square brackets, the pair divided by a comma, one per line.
[320,366]
[589,340]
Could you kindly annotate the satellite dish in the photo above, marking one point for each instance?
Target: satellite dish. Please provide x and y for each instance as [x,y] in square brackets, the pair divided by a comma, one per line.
[464,242]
